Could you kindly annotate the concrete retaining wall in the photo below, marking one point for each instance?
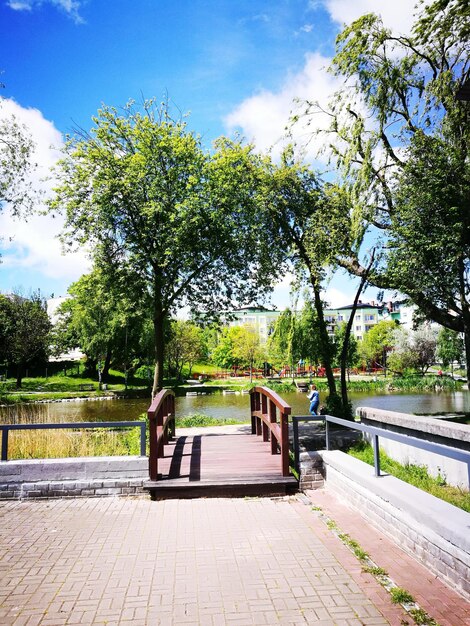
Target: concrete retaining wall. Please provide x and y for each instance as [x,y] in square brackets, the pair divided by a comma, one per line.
[311,470]
[95,476]
[431,530]
[439,431]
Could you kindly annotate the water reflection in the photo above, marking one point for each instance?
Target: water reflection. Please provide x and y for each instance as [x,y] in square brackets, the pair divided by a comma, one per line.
[229,406]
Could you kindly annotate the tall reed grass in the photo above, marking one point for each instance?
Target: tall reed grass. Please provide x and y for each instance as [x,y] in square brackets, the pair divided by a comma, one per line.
[62,443]
[26,414]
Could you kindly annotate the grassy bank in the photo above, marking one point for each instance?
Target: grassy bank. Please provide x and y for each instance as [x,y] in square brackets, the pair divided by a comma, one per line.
[71,386]
[416,475]
[76,386]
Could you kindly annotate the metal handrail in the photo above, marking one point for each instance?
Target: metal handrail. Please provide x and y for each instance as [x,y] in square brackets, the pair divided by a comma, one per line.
[422,444]
[5,428]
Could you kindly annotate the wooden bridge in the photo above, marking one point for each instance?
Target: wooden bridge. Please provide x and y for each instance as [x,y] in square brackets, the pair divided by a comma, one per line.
[253,461]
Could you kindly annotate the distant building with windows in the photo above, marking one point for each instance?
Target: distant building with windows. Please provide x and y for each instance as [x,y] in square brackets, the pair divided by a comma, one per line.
[401,312]
[257,317]
[367,315]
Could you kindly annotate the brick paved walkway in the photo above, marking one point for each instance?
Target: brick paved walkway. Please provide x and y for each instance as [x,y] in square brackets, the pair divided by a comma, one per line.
[206,562]
[446,606]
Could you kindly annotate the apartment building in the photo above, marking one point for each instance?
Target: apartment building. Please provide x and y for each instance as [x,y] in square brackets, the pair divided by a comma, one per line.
[259,318]
[367,315]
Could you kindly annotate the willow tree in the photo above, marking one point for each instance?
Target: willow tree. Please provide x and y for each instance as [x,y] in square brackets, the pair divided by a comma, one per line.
[170,217]
[309,221]
[16,165]
[399,138]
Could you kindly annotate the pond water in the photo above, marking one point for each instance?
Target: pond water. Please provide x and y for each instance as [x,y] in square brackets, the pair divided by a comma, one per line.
[228,406]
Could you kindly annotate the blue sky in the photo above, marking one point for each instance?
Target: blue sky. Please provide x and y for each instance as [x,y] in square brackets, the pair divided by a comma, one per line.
[233,64]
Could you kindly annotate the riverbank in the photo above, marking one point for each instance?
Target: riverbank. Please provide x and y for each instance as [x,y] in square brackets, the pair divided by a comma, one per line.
[69,388]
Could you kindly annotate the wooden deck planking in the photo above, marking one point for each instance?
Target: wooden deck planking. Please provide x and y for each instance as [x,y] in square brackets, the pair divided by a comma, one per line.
[209,463]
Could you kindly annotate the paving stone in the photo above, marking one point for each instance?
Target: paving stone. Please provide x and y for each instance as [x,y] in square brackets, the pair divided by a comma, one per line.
[210,562]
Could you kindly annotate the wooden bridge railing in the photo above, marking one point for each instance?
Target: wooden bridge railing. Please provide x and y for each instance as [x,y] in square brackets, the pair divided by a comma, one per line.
[266,406]
[161,416]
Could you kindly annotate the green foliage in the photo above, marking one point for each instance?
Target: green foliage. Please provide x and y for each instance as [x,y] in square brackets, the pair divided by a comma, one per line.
[354,545]
[24,332]
[399,138]
[432,198]
[239,346]
[413,350]
[421,617]
[375,571]
[310,221]
[185,346]
[308,331]
[353,348]
[199,420]
[421,383]
[401,596]
[223,353]
[415,475]
[333,405]
[177,223]
[247,350]
[102,318]
[285,340]
[377,341]
[449,347]
[280,386]
[16,166]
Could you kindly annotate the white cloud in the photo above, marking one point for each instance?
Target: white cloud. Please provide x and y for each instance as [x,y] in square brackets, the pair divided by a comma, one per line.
[70,7]
[263,117]
[33,244]
[397,15]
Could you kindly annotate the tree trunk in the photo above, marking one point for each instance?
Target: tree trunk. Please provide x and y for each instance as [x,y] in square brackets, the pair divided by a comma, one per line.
[107,365]
[466,339]
[159,346]
[465,307]
[347,335]
[344,357]
[90,367]
[325,347]
[19,375]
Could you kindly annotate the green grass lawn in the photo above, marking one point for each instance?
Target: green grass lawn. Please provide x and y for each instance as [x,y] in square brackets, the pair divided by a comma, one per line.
[416,475]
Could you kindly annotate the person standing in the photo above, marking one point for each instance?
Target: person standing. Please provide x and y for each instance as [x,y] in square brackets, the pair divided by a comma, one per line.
[314,397]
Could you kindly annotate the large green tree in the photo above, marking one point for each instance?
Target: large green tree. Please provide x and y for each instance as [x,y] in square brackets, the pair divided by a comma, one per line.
[377,342]
[177,221]
[185,346]
[399,138]
[283,341]
[101,319]
[247,349]
[413,349]
[449,348]
[24,332]
[309,221]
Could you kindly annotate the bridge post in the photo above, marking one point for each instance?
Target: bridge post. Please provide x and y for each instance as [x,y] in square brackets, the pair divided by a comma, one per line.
[161,415]
[264,411]
[285,443]
[272,419]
